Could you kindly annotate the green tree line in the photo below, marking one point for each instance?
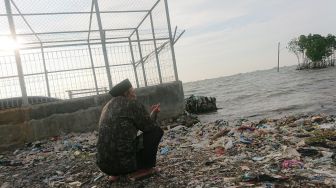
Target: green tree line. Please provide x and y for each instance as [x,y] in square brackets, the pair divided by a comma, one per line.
[314,51]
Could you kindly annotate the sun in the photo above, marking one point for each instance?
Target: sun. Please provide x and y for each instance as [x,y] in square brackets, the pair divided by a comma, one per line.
[7,43]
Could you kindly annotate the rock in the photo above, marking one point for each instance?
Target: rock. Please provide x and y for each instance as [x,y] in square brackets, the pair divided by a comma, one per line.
[60,173]
[299,122]
[200,104]
[58,147]
[244,168]
[290,153]
[77,153]
[301,143]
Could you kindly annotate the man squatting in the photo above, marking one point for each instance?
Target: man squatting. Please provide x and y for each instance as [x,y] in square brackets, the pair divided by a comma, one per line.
[119,150]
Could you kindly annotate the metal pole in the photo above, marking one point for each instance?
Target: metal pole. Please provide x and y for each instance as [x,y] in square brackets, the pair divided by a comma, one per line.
[84,43]
[333,57]
[70,94]
[45,70]
[133,62]
[17,54]
[171,40]
[102,37]
[93,69]
[92,5]
[175,31]
[333,62]
[156,52]
[66,32]
[175,40]
[278,56]
[145,17]
[71,13]
[141,58]
[24,19]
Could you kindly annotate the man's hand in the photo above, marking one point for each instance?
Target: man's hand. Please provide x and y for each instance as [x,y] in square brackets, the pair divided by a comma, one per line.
[155,109]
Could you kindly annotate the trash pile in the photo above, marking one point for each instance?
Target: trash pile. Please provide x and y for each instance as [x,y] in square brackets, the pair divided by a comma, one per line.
[295,151]
[186,119]
[60,161]
[287,152]
[200,104]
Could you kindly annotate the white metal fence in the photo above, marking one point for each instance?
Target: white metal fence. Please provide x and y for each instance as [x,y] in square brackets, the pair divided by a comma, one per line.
[52,50]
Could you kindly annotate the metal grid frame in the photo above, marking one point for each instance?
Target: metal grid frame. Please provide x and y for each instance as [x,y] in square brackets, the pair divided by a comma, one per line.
[45,66]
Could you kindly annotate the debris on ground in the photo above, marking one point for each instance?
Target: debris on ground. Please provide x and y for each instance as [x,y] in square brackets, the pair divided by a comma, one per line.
[186,119]
[294,151]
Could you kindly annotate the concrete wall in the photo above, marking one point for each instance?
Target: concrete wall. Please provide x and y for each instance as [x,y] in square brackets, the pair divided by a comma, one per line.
[22,125]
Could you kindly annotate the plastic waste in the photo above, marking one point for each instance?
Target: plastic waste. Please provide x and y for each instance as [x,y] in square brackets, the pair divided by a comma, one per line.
[229,145]
[245,140]
[328,126]
[222,123]
[219,151]
[246,128]
[10,163]
[258,158]
[292,164]
[252,177]
[191,158]
[308,152]
[164,150]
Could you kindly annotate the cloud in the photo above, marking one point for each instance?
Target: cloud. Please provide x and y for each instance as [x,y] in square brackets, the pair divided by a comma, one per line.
[244,38]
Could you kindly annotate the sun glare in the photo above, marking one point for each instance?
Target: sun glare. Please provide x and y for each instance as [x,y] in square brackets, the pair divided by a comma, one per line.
[7,43]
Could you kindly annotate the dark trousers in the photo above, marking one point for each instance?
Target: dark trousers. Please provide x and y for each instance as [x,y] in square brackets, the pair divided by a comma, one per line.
[146,156]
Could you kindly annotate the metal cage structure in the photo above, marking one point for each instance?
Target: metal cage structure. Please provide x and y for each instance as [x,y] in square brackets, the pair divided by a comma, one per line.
[82,47]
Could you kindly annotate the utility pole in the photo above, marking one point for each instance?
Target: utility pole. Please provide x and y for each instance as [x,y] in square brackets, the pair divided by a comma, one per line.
[278,56]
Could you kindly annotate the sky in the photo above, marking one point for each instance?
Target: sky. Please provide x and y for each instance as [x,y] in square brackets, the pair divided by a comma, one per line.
[228,37]
[222,37]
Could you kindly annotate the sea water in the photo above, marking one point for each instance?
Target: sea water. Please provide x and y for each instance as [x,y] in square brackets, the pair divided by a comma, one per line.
[269,94]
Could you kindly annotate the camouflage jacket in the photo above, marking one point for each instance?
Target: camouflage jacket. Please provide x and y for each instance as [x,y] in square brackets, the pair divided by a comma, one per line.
[118,126]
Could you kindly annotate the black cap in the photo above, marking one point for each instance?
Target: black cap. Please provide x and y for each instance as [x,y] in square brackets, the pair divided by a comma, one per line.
[120,88]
